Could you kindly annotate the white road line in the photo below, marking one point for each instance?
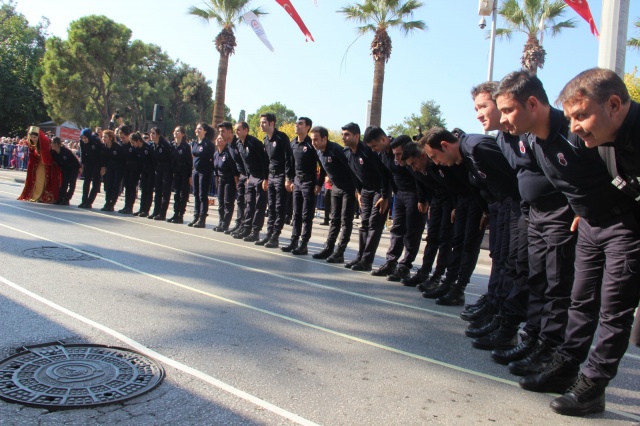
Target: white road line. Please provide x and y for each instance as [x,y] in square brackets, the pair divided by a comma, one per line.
[234,265]
[166,360]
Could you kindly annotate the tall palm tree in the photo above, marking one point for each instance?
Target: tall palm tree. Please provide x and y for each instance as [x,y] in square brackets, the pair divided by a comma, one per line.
[534,18]
[226,13]
[635,42]
[377,16]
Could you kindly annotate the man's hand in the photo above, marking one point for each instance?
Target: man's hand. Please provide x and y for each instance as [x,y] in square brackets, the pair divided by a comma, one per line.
[265,185]
[423,207]
[453,215]
[574,224]
[358,199]
[103,170]
[288,185]
[318,189]
[484,221]
[382,205]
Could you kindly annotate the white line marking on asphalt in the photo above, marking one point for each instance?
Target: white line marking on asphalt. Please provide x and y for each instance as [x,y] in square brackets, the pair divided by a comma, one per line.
[235,265]
[166,360]
[294,320]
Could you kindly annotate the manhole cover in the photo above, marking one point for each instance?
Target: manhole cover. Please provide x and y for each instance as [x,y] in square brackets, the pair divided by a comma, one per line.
[57,376]
[59,253]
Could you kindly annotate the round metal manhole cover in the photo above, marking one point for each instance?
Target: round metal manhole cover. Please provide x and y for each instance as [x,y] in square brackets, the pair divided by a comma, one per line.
[59,376]
[60,253]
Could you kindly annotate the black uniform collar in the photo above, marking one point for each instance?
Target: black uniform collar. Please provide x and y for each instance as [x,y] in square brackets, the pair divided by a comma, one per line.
[630,122]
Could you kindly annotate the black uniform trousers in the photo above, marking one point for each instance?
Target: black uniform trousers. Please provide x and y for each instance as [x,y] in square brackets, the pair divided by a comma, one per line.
[91,184]
[131,177]
[112,181]
[467,238]
[226,200]
[181,195]
[201,188]
[240,199]
[304,208]
[552,252]
[514,290]
[371,225]
[500,215]
[147,180]
[605,294]
[439,235]
[255,205]
[277,203]
[68,179]
[343,204]
[162,190]
[407,228]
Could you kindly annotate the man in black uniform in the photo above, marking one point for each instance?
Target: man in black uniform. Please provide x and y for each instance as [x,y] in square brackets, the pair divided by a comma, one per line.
[373,188]
[92,167]
[256,163]
[343,199]
[281,174]
[550,242]
[235,146]
[70,168]
[131,171]
[408,220]
[161,153]
[605,291]
[182,167]
[306,162]
[147,175]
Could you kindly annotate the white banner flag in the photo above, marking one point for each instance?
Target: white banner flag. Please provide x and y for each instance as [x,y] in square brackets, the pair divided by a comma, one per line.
[252,20]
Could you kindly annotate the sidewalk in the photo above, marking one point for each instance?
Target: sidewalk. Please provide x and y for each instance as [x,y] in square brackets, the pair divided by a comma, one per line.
[319,231]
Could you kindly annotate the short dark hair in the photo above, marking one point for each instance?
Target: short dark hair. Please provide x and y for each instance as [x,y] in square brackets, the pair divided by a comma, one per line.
[401,140]
[352,127]
[597,84]
[486,87]
[243,124]
[411,150]
[56,140]
[322,131]
[271,117]
[306,120]
[458,132]
[225,125]
[521,85]
[371,133]
[435,136]
[137,137]
[125,129]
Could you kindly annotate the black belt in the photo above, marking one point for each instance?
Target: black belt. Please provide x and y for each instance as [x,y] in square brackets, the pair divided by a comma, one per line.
[552,202]
[606,217]
[306,176]
[276,172]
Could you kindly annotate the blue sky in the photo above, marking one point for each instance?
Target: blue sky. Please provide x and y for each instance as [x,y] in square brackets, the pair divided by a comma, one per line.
[330,80]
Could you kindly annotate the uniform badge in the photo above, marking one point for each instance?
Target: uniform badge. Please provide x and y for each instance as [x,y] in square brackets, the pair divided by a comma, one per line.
[146,152]
[179,151]
[115,152]
[441,173]
[93,147]
[304,149]
[482,175]
[130,149]
[361,161]
[64,157]
[274,143]
[246,150]
[160,150]
[329,159]
[200,149]
[561,159]
[224,158]
[522,147]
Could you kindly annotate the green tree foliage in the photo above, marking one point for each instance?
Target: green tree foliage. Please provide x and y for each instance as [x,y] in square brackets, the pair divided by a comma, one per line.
[87,82]
[635,41]
[21,48]
[242,116]
[283,115]
[428,117]
[633,84]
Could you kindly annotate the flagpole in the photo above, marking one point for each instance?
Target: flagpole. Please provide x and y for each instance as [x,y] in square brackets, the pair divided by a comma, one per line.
[613,35]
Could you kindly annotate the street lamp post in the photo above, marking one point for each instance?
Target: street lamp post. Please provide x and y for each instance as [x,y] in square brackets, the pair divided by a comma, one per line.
[486,8]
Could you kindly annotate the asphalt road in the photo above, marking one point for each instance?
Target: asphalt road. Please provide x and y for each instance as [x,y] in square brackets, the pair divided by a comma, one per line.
[249,335]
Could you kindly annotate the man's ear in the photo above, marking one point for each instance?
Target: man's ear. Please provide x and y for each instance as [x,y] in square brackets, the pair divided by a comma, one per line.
[614,104]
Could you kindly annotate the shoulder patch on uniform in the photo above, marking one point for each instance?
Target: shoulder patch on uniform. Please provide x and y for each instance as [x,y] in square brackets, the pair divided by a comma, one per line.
[561,159]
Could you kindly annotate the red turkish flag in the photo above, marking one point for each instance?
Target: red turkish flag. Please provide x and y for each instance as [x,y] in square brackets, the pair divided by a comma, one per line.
[288,7]
[582,8]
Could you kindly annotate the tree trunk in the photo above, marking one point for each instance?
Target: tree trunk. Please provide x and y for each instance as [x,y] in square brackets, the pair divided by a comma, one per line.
[221,85]
[376,97]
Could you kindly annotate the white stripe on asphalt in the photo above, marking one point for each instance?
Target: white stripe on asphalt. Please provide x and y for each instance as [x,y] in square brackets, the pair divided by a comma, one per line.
[165,360]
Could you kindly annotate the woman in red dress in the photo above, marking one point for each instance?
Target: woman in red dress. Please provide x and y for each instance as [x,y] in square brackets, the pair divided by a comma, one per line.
[43,174]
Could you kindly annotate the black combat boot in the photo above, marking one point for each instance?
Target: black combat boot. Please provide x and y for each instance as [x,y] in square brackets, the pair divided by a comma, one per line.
[252,237]
[326,251]
[489,325]
[584,397]
[419,277]
[350,263]
[388,268]
[362,266]
[337,256]
[292,246]
[402,272]
[503,338]
[241,233]
[274,241]
[454,297]
[265,240]
[524,348]
[537,360]
[196,217]
[439,291]
[301,249]
[557,377]
[172,218]
[429,285]
[201,223]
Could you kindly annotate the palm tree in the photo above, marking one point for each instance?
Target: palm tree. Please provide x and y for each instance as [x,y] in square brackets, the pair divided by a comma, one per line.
[377,16]
[532,18]
[226,13]
[635,42]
